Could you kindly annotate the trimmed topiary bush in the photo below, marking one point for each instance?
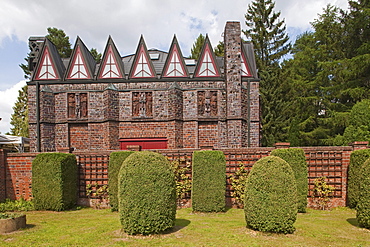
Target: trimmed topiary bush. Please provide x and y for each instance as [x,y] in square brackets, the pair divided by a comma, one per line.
[297,161]
[358,157]
[54,181]
[363,203]
[115,162]
[209,181]
[271,196]
[146,193]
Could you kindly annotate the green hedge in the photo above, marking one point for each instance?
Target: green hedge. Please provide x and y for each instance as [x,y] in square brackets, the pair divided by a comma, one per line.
[363,204]
[54,181]
[270,203]
[209,181]
[358,157]
[297,161]
[146,193]
[115,162]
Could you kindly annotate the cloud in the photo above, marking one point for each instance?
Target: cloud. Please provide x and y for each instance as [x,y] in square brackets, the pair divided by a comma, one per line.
[7,98]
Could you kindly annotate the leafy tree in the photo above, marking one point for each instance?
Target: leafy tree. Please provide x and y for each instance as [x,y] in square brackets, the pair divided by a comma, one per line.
[197,47]
[358,128]
[19,119]
[271,42]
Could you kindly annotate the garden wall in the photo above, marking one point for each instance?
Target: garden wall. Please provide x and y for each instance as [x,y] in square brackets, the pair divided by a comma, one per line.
[331,162]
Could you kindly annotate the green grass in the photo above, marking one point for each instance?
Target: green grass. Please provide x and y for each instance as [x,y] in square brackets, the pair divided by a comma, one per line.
[89,227]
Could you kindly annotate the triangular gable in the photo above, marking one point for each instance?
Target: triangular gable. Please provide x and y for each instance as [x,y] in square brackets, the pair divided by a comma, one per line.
[245,69]
[82,63]
[111,66]
[142,66]
[207,66]
[50,66]
[175,65]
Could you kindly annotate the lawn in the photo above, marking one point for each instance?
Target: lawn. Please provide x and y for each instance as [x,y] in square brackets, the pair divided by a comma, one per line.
[89,227]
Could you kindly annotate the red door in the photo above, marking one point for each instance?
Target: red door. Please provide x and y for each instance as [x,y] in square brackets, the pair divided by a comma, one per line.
[144,143]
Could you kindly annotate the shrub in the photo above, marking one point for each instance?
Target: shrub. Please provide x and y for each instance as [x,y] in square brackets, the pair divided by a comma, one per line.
[363,204]
[17,205]
[115,162]
[183,181]
[271,196]
[54,181]
[358,157]
[147,194]
[209,181]
[238,181]
[297,161]
[322,192]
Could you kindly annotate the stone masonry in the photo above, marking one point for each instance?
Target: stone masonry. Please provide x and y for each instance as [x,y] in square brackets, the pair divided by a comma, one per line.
[97,113]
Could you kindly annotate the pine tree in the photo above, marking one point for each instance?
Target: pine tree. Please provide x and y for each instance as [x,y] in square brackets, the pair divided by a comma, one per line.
[197,47]
[59,38]
[267,33]
[19,119]
[271,42]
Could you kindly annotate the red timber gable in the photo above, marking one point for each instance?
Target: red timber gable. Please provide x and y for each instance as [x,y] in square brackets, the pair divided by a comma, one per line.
[175,65]
[207,66]
[142,66]
[50,66]
[82,64]
[111,66]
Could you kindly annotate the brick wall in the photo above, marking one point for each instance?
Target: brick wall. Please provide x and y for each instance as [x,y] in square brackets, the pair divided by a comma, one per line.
[331,162]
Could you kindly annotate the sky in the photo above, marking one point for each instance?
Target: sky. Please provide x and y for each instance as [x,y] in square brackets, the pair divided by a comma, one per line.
[125,21]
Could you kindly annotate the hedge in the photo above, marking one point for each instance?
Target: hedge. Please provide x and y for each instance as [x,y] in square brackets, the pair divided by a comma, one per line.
[270,203]
[358,157]
[209,181]
[54,181]
[115,162]
[146,193]
[363,203]
[297,161]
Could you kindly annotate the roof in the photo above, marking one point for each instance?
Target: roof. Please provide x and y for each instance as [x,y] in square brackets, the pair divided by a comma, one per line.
[144,64]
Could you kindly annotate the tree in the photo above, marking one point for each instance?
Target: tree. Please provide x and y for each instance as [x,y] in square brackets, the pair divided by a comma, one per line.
[60,40]
[19,119]
[329,73]
[268,35]
[97,56]
[220,49]
[197,47]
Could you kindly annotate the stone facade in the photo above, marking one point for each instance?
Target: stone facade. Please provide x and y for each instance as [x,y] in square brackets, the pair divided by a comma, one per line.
[96,113]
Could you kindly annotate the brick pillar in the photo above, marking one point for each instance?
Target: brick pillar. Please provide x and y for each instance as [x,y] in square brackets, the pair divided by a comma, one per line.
[279,145]
[359,145]
[2,175]
[232,41]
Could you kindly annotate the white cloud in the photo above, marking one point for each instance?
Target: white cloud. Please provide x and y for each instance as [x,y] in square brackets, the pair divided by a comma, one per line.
[7,99]
[126,20]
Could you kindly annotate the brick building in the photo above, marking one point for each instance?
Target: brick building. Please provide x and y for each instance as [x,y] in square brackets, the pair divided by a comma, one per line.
[151,99]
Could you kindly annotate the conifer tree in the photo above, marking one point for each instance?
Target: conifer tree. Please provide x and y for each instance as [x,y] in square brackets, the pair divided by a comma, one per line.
[197,47]
[271,42]
[19,119]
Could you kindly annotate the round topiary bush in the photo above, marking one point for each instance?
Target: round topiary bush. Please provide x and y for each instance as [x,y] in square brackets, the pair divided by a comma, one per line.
[270,203]
[363,204]
[146,194]
[357,159]
[297,161]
